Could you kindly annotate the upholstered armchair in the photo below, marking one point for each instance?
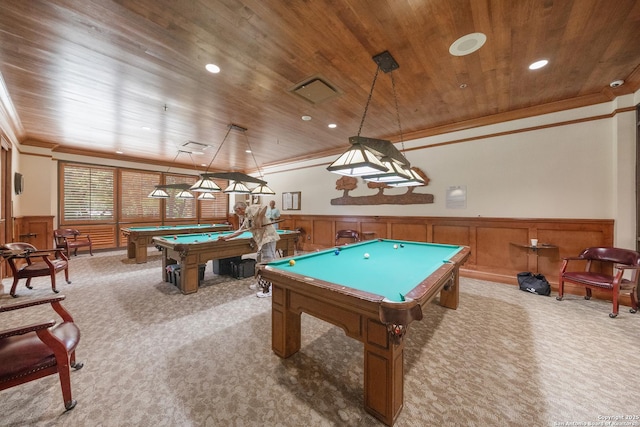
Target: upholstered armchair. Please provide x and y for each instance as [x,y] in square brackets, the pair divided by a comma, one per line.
[595,275]
[27,262]
[36,350]
[71,239]
[352,235]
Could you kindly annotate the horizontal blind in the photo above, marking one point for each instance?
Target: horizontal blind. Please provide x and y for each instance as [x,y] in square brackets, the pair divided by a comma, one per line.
[87,193]
[217,208]
[135,187]
[179,208]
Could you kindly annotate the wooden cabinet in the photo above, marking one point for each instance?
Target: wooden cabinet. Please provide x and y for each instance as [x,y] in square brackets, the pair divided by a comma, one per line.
[36,230]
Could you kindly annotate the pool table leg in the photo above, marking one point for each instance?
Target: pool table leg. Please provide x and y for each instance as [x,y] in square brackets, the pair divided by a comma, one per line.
[285,325]
[450,294]
[131,248]
[383,373]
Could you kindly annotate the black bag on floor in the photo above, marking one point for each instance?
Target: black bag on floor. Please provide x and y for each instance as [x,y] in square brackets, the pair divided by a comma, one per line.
[534,283]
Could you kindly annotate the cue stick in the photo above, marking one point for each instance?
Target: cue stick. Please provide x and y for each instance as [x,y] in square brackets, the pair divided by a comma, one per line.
[274,222]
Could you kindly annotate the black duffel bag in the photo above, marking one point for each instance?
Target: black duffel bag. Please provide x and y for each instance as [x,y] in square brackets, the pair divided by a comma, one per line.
[534,283]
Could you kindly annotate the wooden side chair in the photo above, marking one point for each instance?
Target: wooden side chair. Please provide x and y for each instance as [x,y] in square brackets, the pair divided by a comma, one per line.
[27,262]
[71,239]
[353,235]
[621,260]
[37,350]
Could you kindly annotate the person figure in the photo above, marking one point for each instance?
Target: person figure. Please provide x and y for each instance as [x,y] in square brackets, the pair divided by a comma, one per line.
[273,213]
[253,219]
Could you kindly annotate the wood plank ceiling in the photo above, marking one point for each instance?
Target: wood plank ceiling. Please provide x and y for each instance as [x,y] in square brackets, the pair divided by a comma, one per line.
[85,76]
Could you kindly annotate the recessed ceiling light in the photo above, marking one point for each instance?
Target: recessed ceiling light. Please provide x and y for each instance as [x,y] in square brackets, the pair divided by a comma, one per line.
[616,83]
[332,125]
[119,152]
[212,68]
[538,64]
[146,128]
[306,118]
[247,151]
[463,86]
[467,44]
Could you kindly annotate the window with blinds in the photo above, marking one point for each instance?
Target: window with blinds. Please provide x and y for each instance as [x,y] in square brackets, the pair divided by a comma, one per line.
[87,193]
[211,209]
[135,187]
[179,208]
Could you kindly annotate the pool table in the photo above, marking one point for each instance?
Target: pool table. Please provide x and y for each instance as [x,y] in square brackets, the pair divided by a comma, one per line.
[138,238]
[192,250]
[373,290]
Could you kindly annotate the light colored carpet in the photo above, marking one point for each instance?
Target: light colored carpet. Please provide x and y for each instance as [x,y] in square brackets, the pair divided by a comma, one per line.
[155,357]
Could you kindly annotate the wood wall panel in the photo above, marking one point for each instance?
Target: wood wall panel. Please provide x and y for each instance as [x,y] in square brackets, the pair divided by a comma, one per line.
[409,231]
[451,234]
[323,233]
[374,229]
[35,230]
[102,236]
[494,247]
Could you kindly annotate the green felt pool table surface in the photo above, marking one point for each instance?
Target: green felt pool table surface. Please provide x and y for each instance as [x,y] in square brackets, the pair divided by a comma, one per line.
[168,228]
[205,237]
[392,270]
[138,238]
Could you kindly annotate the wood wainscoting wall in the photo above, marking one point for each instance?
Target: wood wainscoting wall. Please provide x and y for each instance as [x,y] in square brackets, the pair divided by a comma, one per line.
[498,245]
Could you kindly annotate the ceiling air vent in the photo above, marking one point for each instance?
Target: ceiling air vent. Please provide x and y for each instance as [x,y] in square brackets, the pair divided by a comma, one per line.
[315,90]
[193,147]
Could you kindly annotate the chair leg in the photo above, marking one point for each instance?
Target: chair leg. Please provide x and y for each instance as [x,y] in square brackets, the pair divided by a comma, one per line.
[13,287]
[634,302]
[616,304]
[53,283]
[66,275]
[28,283]
[65,383]
[91,250]
[588,295]
[560,289]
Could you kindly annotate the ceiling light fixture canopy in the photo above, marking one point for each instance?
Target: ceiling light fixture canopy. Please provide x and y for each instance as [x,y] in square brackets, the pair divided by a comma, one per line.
[377,160]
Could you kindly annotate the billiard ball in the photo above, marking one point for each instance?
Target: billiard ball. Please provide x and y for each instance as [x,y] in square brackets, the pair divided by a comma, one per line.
[395,246]
[337,252]
[175,237]
[366,256]
[292,262]
[402,245]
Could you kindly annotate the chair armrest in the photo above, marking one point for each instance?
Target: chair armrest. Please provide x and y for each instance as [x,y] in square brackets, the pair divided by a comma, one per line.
[31,302]
[21,330]
[53,300]
[628,267]
[43,252]
[574,258]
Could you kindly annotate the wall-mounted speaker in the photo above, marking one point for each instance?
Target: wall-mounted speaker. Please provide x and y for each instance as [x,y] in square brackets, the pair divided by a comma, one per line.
[18,183]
